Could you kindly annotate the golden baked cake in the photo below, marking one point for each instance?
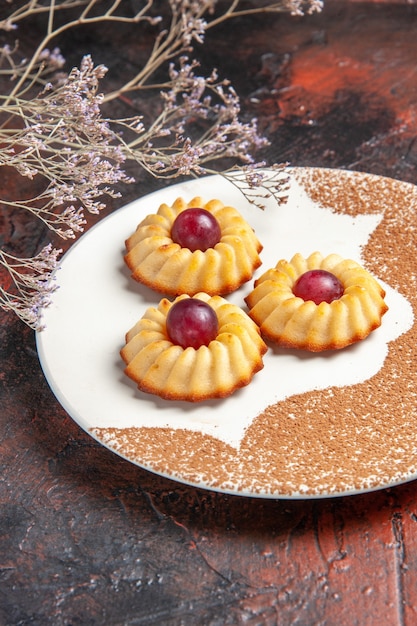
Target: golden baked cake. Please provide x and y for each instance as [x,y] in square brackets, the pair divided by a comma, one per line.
[159,364]
[162,253]
[316,303]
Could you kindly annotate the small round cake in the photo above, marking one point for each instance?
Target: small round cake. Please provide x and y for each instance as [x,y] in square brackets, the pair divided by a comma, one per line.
[206,350]
[211,248]
[316,303]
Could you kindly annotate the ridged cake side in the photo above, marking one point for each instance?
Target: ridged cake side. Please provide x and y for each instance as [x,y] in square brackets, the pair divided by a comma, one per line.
[158,262]
[293,322]
[162,368]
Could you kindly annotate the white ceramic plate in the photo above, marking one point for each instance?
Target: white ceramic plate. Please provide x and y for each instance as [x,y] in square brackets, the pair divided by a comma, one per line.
[285,434]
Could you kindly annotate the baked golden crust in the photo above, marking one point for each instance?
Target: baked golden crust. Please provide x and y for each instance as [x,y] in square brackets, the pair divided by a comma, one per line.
[158,262]
[215,371]
[292,322]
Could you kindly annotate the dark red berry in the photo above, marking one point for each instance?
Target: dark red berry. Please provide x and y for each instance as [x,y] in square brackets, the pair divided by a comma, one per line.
[192,323]
[318,286]
[196,229]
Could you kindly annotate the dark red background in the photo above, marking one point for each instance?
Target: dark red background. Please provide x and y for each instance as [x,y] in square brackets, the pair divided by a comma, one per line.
[87,538]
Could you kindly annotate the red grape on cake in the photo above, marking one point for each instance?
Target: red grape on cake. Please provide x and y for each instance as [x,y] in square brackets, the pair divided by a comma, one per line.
[192,247]
[193,349]
[316,303]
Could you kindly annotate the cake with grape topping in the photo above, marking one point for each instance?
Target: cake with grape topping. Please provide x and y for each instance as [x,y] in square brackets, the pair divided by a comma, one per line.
[192,247]
[193,349]
[316,303]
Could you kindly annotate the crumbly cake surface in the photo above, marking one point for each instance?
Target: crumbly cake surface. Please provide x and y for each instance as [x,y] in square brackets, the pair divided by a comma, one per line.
[163,265]
[325,442]
[291,322]
[174,373]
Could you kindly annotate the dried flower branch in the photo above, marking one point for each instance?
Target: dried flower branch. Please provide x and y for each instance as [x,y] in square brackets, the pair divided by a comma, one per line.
[47,67]
[261,182]
[60,137]
[166,150]
[30,284]
[295,7]
[84,18]
[64,140]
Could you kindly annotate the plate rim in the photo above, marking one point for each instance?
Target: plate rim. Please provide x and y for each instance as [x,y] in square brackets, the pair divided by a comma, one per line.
[147,466]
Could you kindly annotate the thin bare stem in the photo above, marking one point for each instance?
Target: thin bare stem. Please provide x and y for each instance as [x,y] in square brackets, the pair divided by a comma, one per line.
[32,8]
[83,20]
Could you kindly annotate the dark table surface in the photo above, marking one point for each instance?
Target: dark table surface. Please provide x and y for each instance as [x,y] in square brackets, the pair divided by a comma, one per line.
[88,538]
